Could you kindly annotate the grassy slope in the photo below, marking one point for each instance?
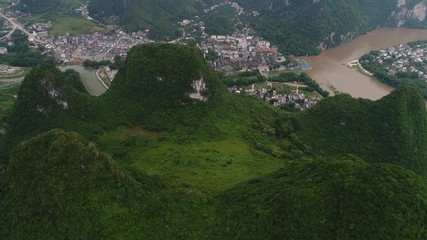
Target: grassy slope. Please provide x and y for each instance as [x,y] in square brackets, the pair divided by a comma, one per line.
[212,157]
[74,26]
[158,15]
[7,100]
[44,6]
[61,13]
[83,193]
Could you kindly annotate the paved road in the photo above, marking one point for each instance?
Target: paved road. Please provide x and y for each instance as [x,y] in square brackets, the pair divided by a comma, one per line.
[9,82]
[289,84]
[16,24]
[9,34]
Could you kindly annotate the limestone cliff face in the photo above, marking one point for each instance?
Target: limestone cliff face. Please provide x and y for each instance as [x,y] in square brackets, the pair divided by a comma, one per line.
[419,11]
[404,12]
[166,75]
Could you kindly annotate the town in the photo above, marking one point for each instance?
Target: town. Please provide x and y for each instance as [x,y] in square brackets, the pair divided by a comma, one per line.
[299,101]
[75,49]
[404,58]
[240,51]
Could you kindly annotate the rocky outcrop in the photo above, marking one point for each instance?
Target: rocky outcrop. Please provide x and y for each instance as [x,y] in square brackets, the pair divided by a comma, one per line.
[404,13]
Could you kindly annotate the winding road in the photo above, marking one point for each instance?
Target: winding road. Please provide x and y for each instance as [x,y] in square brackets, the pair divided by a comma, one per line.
[9,34]
[19,26]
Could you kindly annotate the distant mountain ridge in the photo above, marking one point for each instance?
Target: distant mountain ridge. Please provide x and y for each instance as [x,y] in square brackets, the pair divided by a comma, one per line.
[307,26]
[297,27]
[47,6]
[159,16]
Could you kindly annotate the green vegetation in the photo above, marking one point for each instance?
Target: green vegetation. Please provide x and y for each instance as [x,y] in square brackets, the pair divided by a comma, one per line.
[210,166]
[62,14]
[84,194]
[342,125]
[20,55]
[147,161]
[243,78]
[302,77]
[7,100]
[39,6]
[159,16]
[50,9]
[221,21]
[74,26]
[219,25]
[118,61]
[211,56]
[5,3]
[339,198]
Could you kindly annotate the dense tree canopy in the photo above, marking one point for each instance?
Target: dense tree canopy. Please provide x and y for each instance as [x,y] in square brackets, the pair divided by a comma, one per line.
[145,161]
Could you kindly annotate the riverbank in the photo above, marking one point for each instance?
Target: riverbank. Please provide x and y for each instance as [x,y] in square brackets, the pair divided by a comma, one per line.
[330,68]
[356,64]
[89,78]
[100,79]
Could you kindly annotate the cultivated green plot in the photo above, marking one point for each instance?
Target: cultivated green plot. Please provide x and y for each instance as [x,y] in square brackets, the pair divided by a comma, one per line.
[7,99]
[209,165]
[74,26]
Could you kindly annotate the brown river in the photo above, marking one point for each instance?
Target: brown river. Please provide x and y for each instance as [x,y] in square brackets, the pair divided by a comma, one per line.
[330,69]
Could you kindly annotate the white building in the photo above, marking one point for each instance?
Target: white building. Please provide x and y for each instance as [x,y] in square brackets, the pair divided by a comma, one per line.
[3,50]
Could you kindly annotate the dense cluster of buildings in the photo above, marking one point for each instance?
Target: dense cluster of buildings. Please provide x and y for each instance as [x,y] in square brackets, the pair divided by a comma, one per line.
[404,58]
[238,51]
[75,49]
[42,29]
[96,46]
[8,70]
[239,10]
[241,51]
[298,100]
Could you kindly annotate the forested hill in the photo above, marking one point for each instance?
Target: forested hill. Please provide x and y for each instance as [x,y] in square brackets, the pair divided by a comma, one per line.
[160,16]
[52,7]
[167,153]
[38,6]
[306,26]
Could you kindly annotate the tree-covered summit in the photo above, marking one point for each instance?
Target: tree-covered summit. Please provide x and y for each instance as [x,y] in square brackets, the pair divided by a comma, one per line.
[166,75]
[393,129]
